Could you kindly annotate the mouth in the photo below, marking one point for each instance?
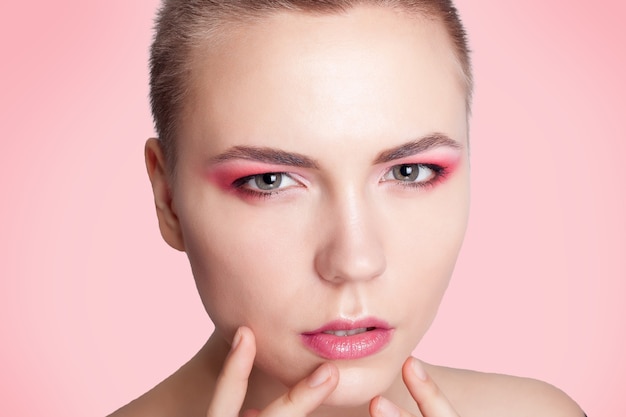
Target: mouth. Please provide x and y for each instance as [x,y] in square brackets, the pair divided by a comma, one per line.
[352,332]
[348,340]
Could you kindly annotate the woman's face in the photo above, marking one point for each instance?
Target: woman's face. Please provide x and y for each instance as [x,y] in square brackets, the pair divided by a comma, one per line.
[322,186]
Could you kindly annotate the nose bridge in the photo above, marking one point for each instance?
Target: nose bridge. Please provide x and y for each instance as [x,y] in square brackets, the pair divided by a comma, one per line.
[351,249]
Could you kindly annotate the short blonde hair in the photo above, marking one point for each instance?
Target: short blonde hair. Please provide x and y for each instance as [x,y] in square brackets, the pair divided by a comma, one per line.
[182,25]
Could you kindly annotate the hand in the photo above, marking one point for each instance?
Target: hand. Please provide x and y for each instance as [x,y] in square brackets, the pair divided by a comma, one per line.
[232,384]
[430,400]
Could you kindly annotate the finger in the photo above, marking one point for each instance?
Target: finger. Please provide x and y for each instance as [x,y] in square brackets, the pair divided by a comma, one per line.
[307,395]
[382,407]
[429,398]
[232,382]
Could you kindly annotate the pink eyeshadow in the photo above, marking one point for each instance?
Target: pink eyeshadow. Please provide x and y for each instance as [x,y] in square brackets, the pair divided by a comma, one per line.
[224,175]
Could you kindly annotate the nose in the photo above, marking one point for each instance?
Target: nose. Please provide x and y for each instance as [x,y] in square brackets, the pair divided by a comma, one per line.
[350,248]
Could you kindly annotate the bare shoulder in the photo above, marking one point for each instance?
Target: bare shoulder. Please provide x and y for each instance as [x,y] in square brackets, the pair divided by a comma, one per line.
[160,401]
[186,392]
[484,394]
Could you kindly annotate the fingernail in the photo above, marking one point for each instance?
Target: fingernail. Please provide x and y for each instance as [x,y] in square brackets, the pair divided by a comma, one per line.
[236,339]
[387,408]
[418,369]
[317,378]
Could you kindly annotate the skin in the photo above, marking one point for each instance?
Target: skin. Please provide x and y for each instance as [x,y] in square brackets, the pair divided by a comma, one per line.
[343,236]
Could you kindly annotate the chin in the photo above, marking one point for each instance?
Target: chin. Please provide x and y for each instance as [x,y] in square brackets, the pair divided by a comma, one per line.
[357,387]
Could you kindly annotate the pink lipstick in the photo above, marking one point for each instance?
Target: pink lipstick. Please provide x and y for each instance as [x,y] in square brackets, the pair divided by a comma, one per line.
[344,339]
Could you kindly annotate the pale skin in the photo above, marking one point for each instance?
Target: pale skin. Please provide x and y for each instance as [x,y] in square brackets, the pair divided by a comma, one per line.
[363,117]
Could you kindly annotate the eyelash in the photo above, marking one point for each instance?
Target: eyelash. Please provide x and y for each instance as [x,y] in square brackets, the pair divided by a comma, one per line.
[439,173]
[240,184]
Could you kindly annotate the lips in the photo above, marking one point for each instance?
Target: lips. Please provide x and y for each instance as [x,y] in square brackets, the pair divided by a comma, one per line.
[348,340]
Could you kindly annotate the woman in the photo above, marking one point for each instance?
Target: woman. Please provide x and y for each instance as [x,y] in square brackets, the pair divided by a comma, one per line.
[313,164]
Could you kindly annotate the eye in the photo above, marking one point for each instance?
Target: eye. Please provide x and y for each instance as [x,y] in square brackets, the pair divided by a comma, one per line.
[413,173]
[265,183]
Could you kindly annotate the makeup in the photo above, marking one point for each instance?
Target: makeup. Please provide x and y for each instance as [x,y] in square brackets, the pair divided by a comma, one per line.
[348,340]
[245,178]
[421,171]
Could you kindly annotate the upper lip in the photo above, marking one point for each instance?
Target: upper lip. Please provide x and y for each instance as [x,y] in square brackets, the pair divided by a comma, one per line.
[345,324]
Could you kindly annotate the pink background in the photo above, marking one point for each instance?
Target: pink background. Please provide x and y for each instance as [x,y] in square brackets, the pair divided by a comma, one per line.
[96,308]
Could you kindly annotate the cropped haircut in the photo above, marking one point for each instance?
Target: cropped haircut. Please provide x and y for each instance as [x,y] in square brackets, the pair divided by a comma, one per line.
[182,26]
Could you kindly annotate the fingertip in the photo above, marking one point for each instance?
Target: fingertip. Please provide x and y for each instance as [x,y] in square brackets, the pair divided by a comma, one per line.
[418,369]
[334,375]
[373,408]
[245,330]
[243,336]
[325,373]
[236,339]
[334,371]
[240,359]
[382,407]
[414,369]
[424,390]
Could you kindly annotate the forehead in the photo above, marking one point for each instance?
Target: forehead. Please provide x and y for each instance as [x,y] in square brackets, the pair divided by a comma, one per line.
[292,77]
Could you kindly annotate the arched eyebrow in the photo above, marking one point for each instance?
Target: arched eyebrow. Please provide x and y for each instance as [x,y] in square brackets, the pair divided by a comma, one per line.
[280,157]
[267,155]
[431,141]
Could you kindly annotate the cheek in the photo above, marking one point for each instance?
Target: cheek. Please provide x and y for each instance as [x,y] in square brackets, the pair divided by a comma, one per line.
[243,264]
[431,229]
[256,275]
[423,249]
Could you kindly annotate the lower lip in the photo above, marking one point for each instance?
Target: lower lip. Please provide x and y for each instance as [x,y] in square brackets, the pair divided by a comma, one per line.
[356,346]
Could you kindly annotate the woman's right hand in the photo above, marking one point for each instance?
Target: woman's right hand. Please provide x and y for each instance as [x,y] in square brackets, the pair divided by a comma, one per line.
[232,384]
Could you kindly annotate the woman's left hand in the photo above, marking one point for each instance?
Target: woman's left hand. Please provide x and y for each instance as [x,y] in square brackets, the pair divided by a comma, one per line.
[429,398]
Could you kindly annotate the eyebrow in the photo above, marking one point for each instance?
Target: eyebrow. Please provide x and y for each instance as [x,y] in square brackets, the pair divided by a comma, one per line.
[280,157]
[431,141]
[268,156]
